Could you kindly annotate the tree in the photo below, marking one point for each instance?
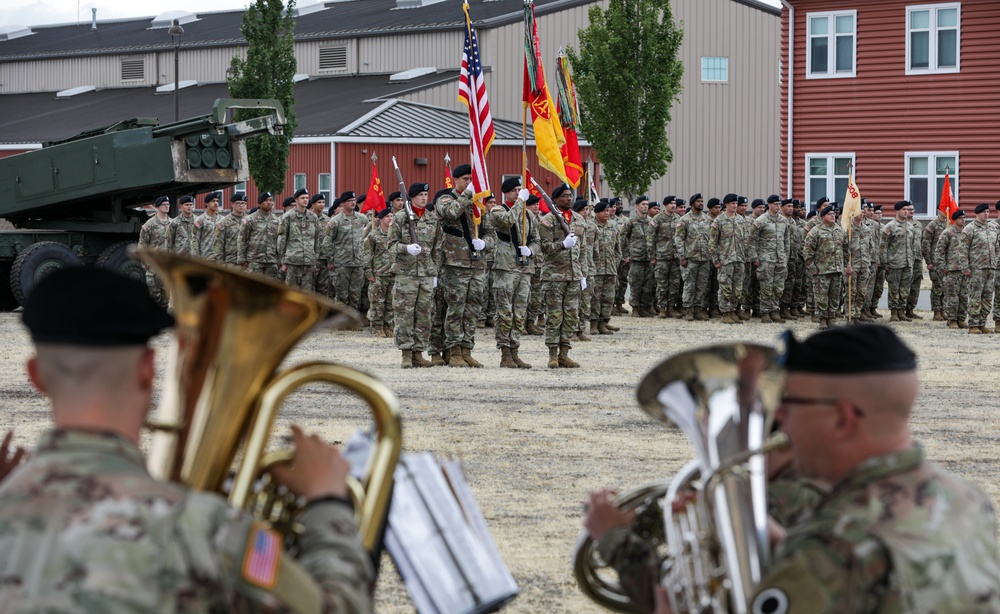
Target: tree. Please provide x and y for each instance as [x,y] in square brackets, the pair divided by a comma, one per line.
[267,72]
[627,77]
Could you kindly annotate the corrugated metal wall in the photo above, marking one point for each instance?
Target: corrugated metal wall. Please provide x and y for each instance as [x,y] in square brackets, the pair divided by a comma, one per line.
[883,113]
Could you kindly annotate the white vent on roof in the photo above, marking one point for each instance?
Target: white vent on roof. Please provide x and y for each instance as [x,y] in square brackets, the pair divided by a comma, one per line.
[166,19]
[415,4]
[413,73]
[73,91]
[333,58]
[309,7]
[299,76]
[133,69]
[163,89]
[11,32]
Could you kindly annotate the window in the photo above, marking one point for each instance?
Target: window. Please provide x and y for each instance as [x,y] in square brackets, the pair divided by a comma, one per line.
[715,70]
[323,181]
[299,181]
[333,58]
[832,45]
[923,188]
[827,175]
[932,35]
[133,70]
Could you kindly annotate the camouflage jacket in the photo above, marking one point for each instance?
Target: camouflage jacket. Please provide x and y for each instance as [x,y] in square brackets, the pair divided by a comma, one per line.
[897,534]
[898,249]
[86,529]
[428,262]
[563,264]
[635,235]
[691,236]
[796,236]
[376,254]
[227,238]
[825,249]
[324,225]
[455,212]
[660,239]
[916,229]
[180,235]
[299,238]
[932,232]
[204,235]
[154,233]
[588,253]
[607,249]
[342,243]
[861,246]
[508,235]
[770,240]
[983,248]
[952,253]
[874,239]
[258,238]
[727,242]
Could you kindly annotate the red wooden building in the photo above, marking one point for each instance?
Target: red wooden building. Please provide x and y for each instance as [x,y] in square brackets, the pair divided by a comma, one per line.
[904,91]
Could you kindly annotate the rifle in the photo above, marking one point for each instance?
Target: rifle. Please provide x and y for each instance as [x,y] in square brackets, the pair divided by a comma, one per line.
[411,217]
[553,208]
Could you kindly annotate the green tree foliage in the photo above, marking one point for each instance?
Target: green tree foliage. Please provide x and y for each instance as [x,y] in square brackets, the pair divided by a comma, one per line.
[627,76]
[267,72]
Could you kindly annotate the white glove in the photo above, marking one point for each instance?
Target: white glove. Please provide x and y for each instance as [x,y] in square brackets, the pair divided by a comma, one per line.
[525,250]
[569,241]
[478,245]
[523,195]
[435,283]
[583,283]
[414,249]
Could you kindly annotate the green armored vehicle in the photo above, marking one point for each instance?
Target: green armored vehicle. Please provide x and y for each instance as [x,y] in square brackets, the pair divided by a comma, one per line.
[78,200]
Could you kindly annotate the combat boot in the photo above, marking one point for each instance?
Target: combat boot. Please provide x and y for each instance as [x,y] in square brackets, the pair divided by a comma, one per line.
[938,316]
[913,316]
[986,330]
[903,316]
[727,318]
[574,337]
[480,323]
[593,327]
[602,328]
[802,311]
[446,357]
[864,317]
[824,323]
[378,331]
[714,313]
[436,360]
[815,318]
[541,320]
[407,359]
[996,326]
[506,360]
[564,360]
[689,314]
[876,314]
[666,312]
[607,325]
[975,330]
[491,322]
[952,324]
[554,357]
[419,360]
[469,360]
[456,359]
[895,315]
[387,329]
[517,359]
[743,314]
[677,313]
[701,314]
[618,310]
[963,324]
[637,313]
[776,317]
[582,336]
[531,329]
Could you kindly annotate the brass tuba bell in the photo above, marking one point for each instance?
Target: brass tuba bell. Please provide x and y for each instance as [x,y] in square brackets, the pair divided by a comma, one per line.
[222,395]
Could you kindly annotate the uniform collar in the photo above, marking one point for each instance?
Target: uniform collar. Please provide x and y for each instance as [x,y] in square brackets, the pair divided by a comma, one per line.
[99,442]
[878,468]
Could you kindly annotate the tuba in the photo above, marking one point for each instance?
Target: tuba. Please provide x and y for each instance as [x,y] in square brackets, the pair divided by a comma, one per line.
[222,396]
[712,531]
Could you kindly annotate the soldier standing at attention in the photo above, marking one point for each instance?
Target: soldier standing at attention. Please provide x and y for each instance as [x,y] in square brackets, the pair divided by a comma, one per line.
[984,259]
[928,246]
[861,263]
[258,239]
[342,248]
[917,271]
[996,287]
[619,219]
[416,267]
[634,237]
[86,528]
[607,255]
[877,285]
[727,250]
[321,280]
[227,231]
[897,255]
[299,244]
[562,275]
[769,248]
[377,256]
[154,234]
[488,309]
[582,208]
[691,244]
[825,253]
[663,259]
[205,227]
[795,236]
[952,260]
[180,235]
[396,201]
[531,319]
[463,279]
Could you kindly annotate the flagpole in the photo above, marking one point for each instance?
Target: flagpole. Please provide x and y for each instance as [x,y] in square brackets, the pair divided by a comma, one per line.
[374,213]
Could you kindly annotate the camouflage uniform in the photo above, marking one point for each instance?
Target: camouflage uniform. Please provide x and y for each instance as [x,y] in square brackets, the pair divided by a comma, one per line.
[877,280]
[619,221]
[928,246]
[802,281]
[607,254]
[562,271]
[227,232]
[413,288]
[691,245]
[727,249]
[917,272]
[861,265]
[952,260]
[587,294]
[342,248]
[378,259]
[180,234]
[154,234]
[85,528]
[258,243]
[298,246]
[825,251]
[770,245]
[897,534]
[898,251]
[666,271]
[983,260]
[321,281]
[204,235]
[796,236]
[634,238]
[512,281]
[535,293]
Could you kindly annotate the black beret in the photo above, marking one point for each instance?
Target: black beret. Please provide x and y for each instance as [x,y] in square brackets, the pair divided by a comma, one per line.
[212,196]
[580,204]
[835,205]
[811,215]
[713,202]
[899,205]
[957,214]
[362,198]
[615,201]
[461,170]
[186,199]
[601,206]
[437,194]
[877,207]
[384,212]
[823,200]
[654,204]
[316,197]
[773,198]
[263,196]
[786,201]
[757,202]
[394,196]
[681,202]
[348,195]
[417,188]
[490,196]
[300,192]
[510,183]
[669,198]
[107,309]
[288,202]
[799,203]
[556,193]
[532,200]
[336,203]
[982,207]
[239,197]
[695,197]
[998,205]
[848,350]
[864,201]
[162,200]
[825,210]
[742,200]
[730,198]
[639,199]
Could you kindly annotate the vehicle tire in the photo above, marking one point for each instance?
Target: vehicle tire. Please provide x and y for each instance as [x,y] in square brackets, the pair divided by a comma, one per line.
[35,263]
[7,300]
[117,258]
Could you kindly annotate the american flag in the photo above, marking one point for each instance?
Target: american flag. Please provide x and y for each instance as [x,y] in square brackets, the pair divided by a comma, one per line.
[260,565]
[472,91]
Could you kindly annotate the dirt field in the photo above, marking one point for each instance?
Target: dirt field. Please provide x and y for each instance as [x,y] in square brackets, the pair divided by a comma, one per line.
[534,442]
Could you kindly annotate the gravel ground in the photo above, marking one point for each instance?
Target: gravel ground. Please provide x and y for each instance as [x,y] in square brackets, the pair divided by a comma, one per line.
[534,442]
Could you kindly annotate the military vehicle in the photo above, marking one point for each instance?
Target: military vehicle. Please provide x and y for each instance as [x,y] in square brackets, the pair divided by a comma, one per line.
[80,200]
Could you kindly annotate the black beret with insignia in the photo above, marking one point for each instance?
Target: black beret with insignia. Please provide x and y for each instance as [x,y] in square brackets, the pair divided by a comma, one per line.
[384,212]
[186,199]
[316,197]
[743,200]
[982,207]
[899,205]
[822,201]
[288,202]
[162,200]
[601,206]
[532,200]
[957,214]
[639,199]
[263,196]
[300,192]
[848,350]
[668,199]
[757,202]
[212,196]
[348,195]
[417,188]
[786,201]
[825,210]
[811,215]
[681,202]
[773,198]
[695,197]
[461,170]
[437,195]
[394,196]
[580,205]
[730,198]
[239,197]
[713,202]
[556,193]
[510,183]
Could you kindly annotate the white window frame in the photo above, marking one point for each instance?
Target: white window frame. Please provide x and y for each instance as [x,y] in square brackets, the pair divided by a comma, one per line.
[932,39]
[831,71]
[934,198]
[714,57]
[831,179]
[328,191]
[300,181]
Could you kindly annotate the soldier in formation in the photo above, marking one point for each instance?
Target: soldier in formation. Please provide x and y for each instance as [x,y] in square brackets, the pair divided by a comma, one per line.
[984,258]
[663,259]
[898,252]
[205,227]
[299,237]
[951,259]
[825,250]
[377,256]
[607,255]
[257,249]
[561,235]
[691,244]
[154,234]
[342,250]
[635,234]
[180,234]
[227,231]
[727,249]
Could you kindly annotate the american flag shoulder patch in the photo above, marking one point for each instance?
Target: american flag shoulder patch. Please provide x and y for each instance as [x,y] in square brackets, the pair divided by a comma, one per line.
[263,556]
